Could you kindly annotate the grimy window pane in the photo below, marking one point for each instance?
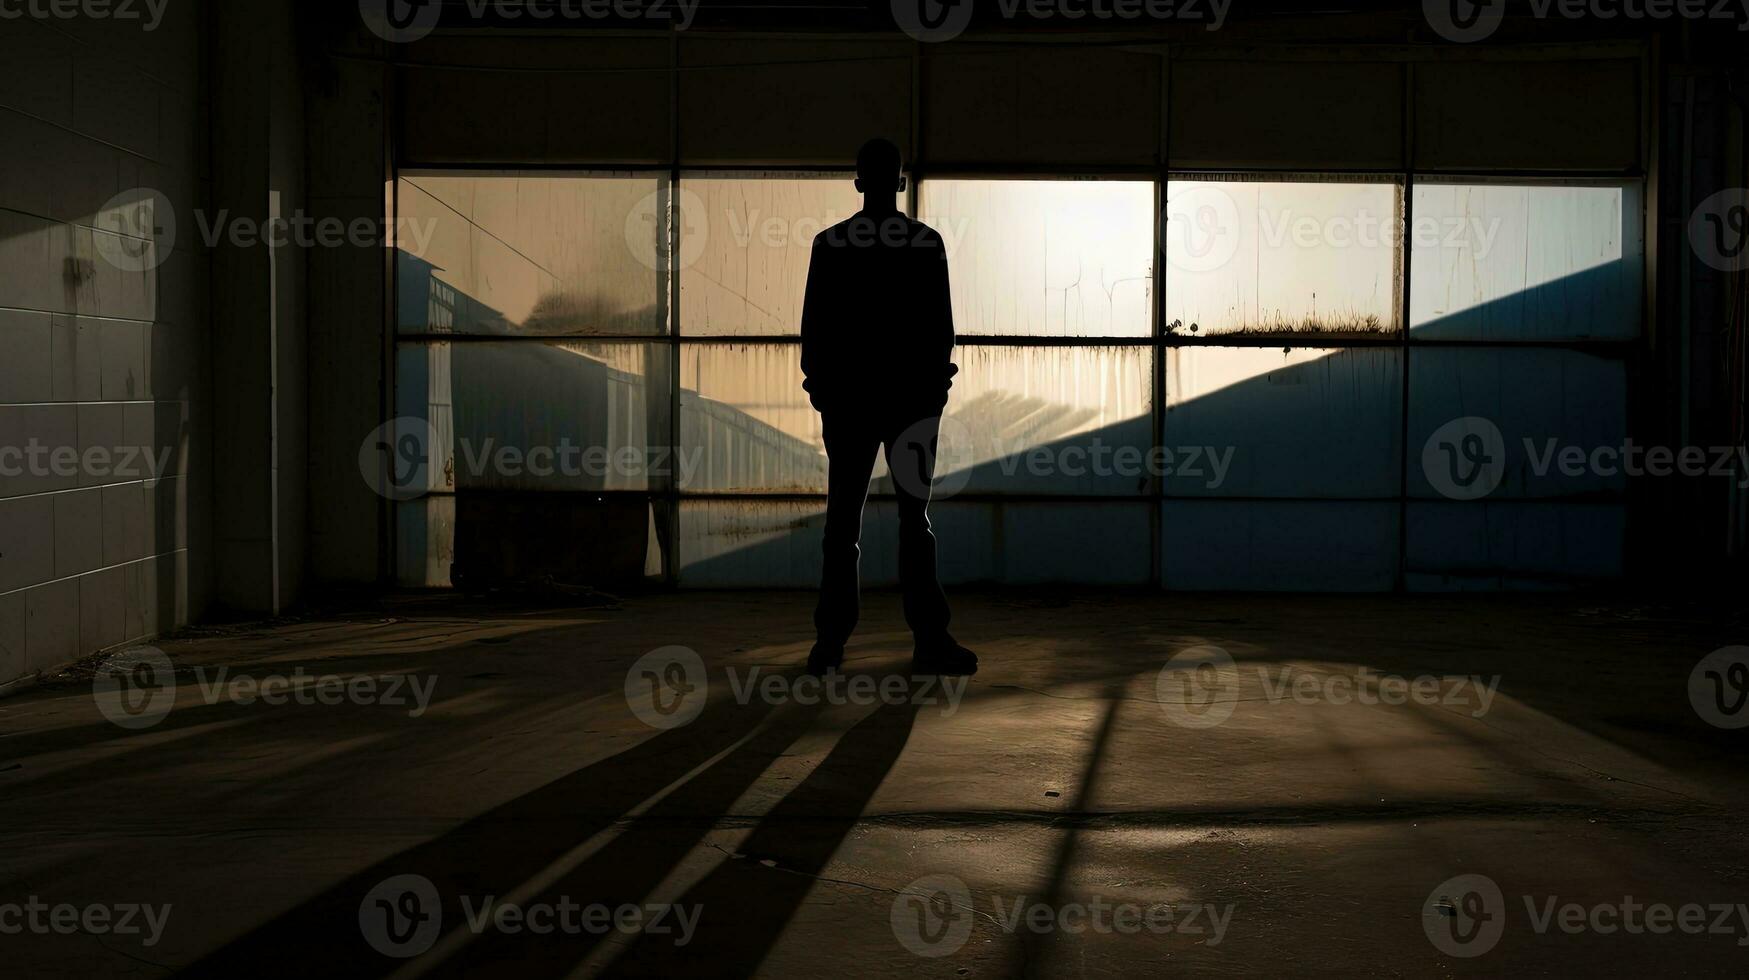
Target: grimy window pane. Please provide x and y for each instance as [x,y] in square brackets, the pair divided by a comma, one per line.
[1049,420]
[1279,422]
[1047,258]
[539,416]
[1019,420]
[1503,422]
[745,422]
[744,247]
[1265,257]
[532,255]
[1515,262]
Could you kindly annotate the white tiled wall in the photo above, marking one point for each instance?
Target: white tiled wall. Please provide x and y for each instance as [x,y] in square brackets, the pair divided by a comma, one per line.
[92,355]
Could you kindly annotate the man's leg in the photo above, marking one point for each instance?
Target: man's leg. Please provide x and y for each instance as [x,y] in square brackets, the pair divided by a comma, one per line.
[850,456]
[911,458]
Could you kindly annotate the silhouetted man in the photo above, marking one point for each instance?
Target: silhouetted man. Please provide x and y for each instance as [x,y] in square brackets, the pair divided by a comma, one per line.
[877,350]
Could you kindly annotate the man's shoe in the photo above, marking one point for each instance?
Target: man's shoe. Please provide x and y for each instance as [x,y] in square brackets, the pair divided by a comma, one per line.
[823,660]
[944,658]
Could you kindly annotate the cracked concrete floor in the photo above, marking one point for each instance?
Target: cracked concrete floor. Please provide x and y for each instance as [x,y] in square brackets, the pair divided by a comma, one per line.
[1071,811]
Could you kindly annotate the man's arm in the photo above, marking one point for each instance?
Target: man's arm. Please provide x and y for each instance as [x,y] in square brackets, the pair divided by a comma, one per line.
[816,316]
[939,304]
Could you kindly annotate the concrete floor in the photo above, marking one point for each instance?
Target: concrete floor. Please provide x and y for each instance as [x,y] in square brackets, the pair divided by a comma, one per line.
[1318,833]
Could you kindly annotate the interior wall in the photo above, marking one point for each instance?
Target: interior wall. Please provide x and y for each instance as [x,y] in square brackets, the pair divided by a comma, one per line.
[97,352]
[260,379]
[348,310]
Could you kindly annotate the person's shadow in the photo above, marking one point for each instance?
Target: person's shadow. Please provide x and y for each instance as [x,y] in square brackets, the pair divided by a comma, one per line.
[502,849]
[749,899]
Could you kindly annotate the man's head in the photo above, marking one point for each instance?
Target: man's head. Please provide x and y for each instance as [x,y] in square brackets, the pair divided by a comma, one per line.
[879,169]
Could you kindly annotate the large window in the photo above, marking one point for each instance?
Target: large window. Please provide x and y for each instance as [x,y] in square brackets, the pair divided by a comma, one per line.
[1214,380]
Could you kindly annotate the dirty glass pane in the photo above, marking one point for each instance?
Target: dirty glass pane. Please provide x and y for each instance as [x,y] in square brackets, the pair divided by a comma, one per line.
[1047,258]
[541,255]
[1279,545]
[745,422]
[1275,422]
[750,543]
[776,543]
[539,416]
[1049,420]
[744,247]
[1268,257]
[1019,420]
[1526,262]
[1514,545]
[1487,423]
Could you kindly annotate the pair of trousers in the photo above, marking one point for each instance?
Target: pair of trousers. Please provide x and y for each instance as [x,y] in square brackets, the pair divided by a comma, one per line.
[909,440]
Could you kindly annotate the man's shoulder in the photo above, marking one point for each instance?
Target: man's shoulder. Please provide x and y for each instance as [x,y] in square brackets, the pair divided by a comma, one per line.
[860,228]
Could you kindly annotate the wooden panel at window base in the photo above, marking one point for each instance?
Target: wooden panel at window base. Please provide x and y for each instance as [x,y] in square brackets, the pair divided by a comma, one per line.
[1301,115]
[1555,116]
[1087,106]
[603,102]
[791,102]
